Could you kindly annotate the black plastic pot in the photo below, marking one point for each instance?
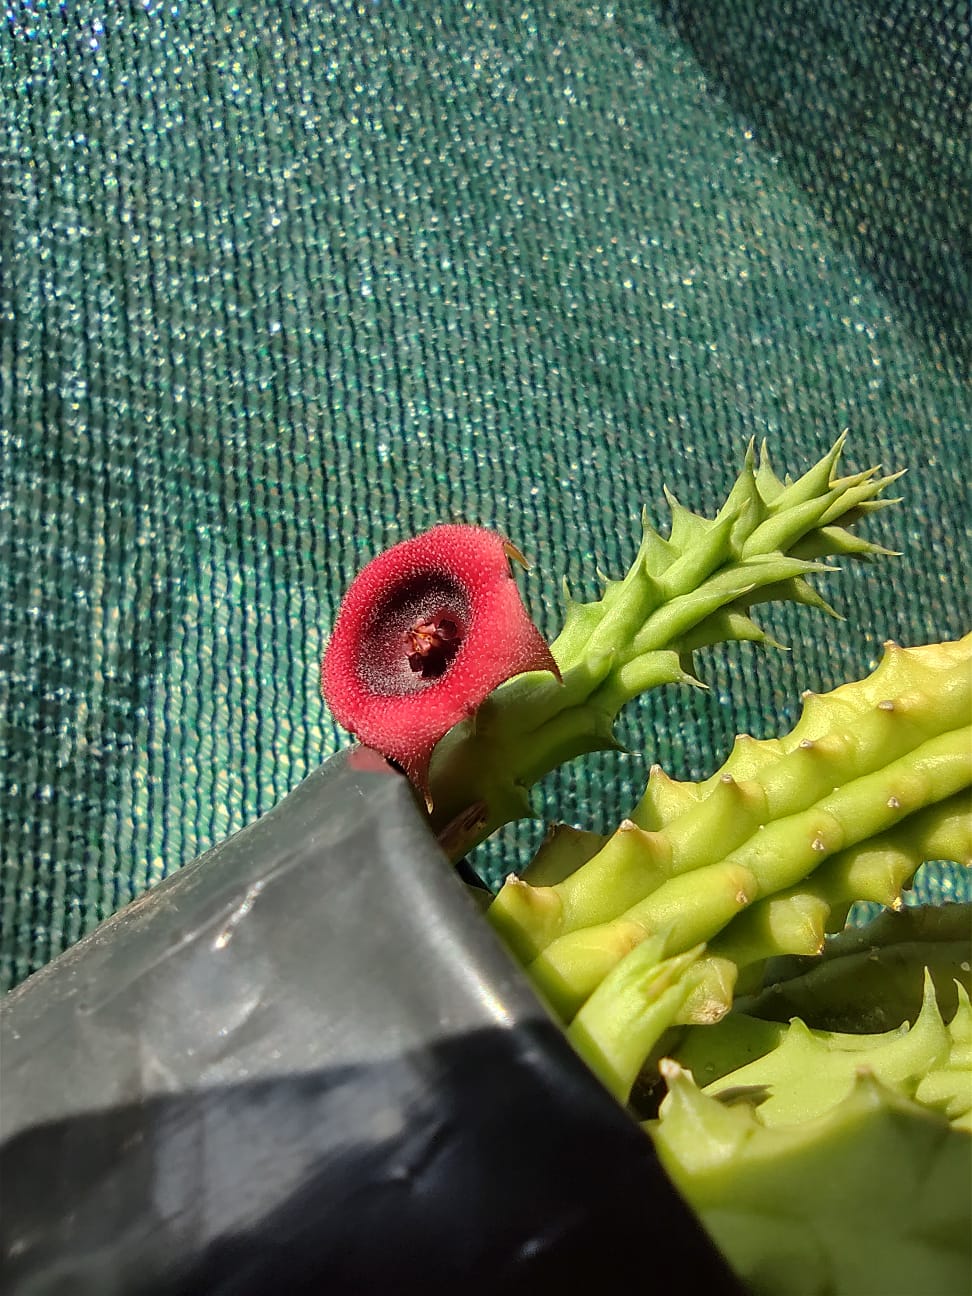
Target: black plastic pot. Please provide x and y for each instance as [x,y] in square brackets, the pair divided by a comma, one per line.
[304,1064]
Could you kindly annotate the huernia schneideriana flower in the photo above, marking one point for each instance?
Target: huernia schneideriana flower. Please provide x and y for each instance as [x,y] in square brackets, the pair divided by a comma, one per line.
[425,633]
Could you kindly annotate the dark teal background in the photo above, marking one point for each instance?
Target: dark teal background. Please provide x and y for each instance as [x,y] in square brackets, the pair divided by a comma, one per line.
[281,283]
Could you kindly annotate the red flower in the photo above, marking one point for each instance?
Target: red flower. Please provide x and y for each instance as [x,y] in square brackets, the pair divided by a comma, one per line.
[425,633]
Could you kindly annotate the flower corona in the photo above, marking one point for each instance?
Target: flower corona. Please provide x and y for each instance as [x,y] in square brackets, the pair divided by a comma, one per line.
[425,633]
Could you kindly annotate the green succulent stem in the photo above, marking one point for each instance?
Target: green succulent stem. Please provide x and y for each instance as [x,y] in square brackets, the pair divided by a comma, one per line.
[823,1161]
[628,1013]
[809,1070]
[669,919]
[890,753]
[694,588]
[796,920]
[870,978]
[872,1195]
[698,904]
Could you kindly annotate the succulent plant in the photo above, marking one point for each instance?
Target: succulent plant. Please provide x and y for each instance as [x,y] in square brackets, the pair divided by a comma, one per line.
[806,1072]
[822,1162]
[706,915]
[871,1196]
[869,978]
[695,588]
[872,780]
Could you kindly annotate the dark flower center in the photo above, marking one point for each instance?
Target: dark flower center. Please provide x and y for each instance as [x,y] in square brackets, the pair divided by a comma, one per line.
[414,633]
[430,645]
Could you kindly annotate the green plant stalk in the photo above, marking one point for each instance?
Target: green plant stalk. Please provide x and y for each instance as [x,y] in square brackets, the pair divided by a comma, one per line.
[929,942]
[713,1051]
[696,905]
[914,694]
[628,1013]
[805,1071]
[562,851]
[870,978]
[948,1087]
[799,1208]
[626,1023]
[810,1072]
[795,921]
[695,588]
[570,969]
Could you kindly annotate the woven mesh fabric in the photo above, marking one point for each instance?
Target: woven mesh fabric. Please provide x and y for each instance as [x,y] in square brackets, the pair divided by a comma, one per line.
[284,282]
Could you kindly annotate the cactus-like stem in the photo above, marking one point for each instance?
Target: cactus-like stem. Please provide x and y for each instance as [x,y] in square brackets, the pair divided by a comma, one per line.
[796,920]
[627,1014]
[873,1195]
[869,978]
[809,1072]
[696,587]
[696,905]
[562,851]
[948,1087]
[768,1091]
[858,761]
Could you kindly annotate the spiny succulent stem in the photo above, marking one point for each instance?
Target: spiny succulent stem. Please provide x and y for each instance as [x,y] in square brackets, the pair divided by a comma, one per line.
[761,859]
[795,921]
[696,905]
[693,588]
[622,1021]
[831,1203]
[858,760]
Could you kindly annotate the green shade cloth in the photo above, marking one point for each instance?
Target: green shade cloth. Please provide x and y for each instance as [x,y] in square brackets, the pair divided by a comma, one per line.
[282,283]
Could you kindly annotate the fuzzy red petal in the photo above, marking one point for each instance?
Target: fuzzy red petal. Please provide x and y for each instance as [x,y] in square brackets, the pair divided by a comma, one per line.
[462,573]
